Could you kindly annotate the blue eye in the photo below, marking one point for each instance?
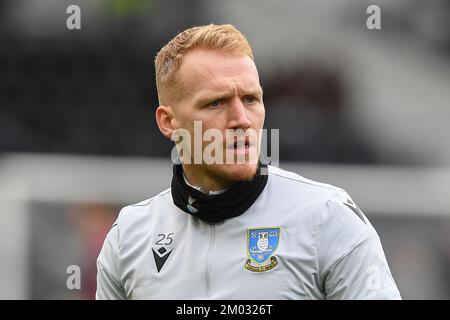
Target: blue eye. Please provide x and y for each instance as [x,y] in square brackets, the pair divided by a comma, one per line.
[216,103]
[249,99]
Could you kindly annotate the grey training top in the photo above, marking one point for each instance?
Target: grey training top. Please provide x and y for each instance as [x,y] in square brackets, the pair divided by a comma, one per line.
[299,240]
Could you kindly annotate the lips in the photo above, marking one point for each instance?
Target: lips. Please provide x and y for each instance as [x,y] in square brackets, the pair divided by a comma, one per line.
[240,144]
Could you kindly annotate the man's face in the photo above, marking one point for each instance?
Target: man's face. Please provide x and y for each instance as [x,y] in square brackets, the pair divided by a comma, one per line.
[223,92]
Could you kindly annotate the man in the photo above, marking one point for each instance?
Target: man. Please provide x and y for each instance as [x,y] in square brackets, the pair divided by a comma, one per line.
[234,229]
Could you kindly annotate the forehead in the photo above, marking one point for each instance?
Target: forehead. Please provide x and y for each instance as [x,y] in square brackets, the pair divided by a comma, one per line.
[205,71]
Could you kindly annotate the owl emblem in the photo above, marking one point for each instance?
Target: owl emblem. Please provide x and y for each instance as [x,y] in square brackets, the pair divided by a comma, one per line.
[263,241]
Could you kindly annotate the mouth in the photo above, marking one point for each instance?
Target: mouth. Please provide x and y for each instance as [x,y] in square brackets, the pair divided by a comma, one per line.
[243,144]
[242,147]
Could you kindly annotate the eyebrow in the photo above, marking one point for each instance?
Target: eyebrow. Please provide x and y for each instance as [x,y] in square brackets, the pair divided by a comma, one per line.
[256,91]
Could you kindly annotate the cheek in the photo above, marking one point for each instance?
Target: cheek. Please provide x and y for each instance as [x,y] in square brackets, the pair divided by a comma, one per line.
[258,117]
[217,122]
[186,125]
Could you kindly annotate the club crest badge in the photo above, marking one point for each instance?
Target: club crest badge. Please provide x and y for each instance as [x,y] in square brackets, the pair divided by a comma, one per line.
[261,245]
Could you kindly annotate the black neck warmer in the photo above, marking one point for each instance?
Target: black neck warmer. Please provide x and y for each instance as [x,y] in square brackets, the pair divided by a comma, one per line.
[217,207]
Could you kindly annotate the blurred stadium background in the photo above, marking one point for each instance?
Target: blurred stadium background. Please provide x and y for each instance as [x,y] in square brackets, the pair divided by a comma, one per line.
[365,110]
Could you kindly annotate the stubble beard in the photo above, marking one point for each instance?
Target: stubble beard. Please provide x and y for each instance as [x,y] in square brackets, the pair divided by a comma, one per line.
[232,172]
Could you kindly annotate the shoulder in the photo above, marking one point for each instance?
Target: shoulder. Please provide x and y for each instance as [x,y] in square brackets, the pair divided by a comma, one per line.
[301,188]
[142,211]
[328,201]
[297,181]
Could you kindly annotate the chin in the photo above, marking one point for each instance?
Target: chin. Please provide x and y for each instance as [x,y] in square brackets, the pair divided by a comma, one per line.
[235,172]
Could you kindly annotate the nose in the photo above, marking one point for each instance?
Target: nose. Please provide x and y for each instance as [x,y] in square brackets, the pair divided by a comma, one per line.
[237,117]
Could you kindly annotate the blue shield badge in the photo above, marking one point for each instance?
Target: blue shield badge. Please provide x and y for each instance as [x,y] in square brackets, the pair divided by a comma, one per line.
[262,243]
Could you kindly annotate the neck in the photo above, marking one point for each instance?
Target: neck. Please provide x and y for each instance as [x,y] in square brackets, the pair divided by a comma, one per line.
[198,177]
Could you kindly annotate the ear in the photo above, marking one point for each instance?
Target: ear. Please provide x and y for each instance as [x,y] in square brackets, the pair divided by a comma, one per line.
[165,120]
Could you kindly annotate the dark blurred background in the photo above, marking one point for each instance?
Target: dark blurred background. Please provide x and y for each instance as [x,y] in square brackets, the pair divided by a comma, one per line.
[92,91]
[341,95]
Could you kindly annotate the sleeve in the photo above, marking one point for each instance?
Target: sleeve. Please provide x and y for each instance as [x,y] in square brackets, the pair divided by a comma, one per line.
[109,286]
[350,257]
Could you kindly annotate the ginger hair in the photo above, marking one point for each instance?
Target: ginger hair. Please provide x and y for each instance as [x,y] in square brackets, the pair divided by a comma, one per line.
[223,38]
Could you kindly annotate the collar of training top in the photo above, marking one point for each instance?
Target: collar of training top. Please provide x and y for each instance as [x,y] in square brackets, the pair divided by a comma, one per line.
[217,207]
